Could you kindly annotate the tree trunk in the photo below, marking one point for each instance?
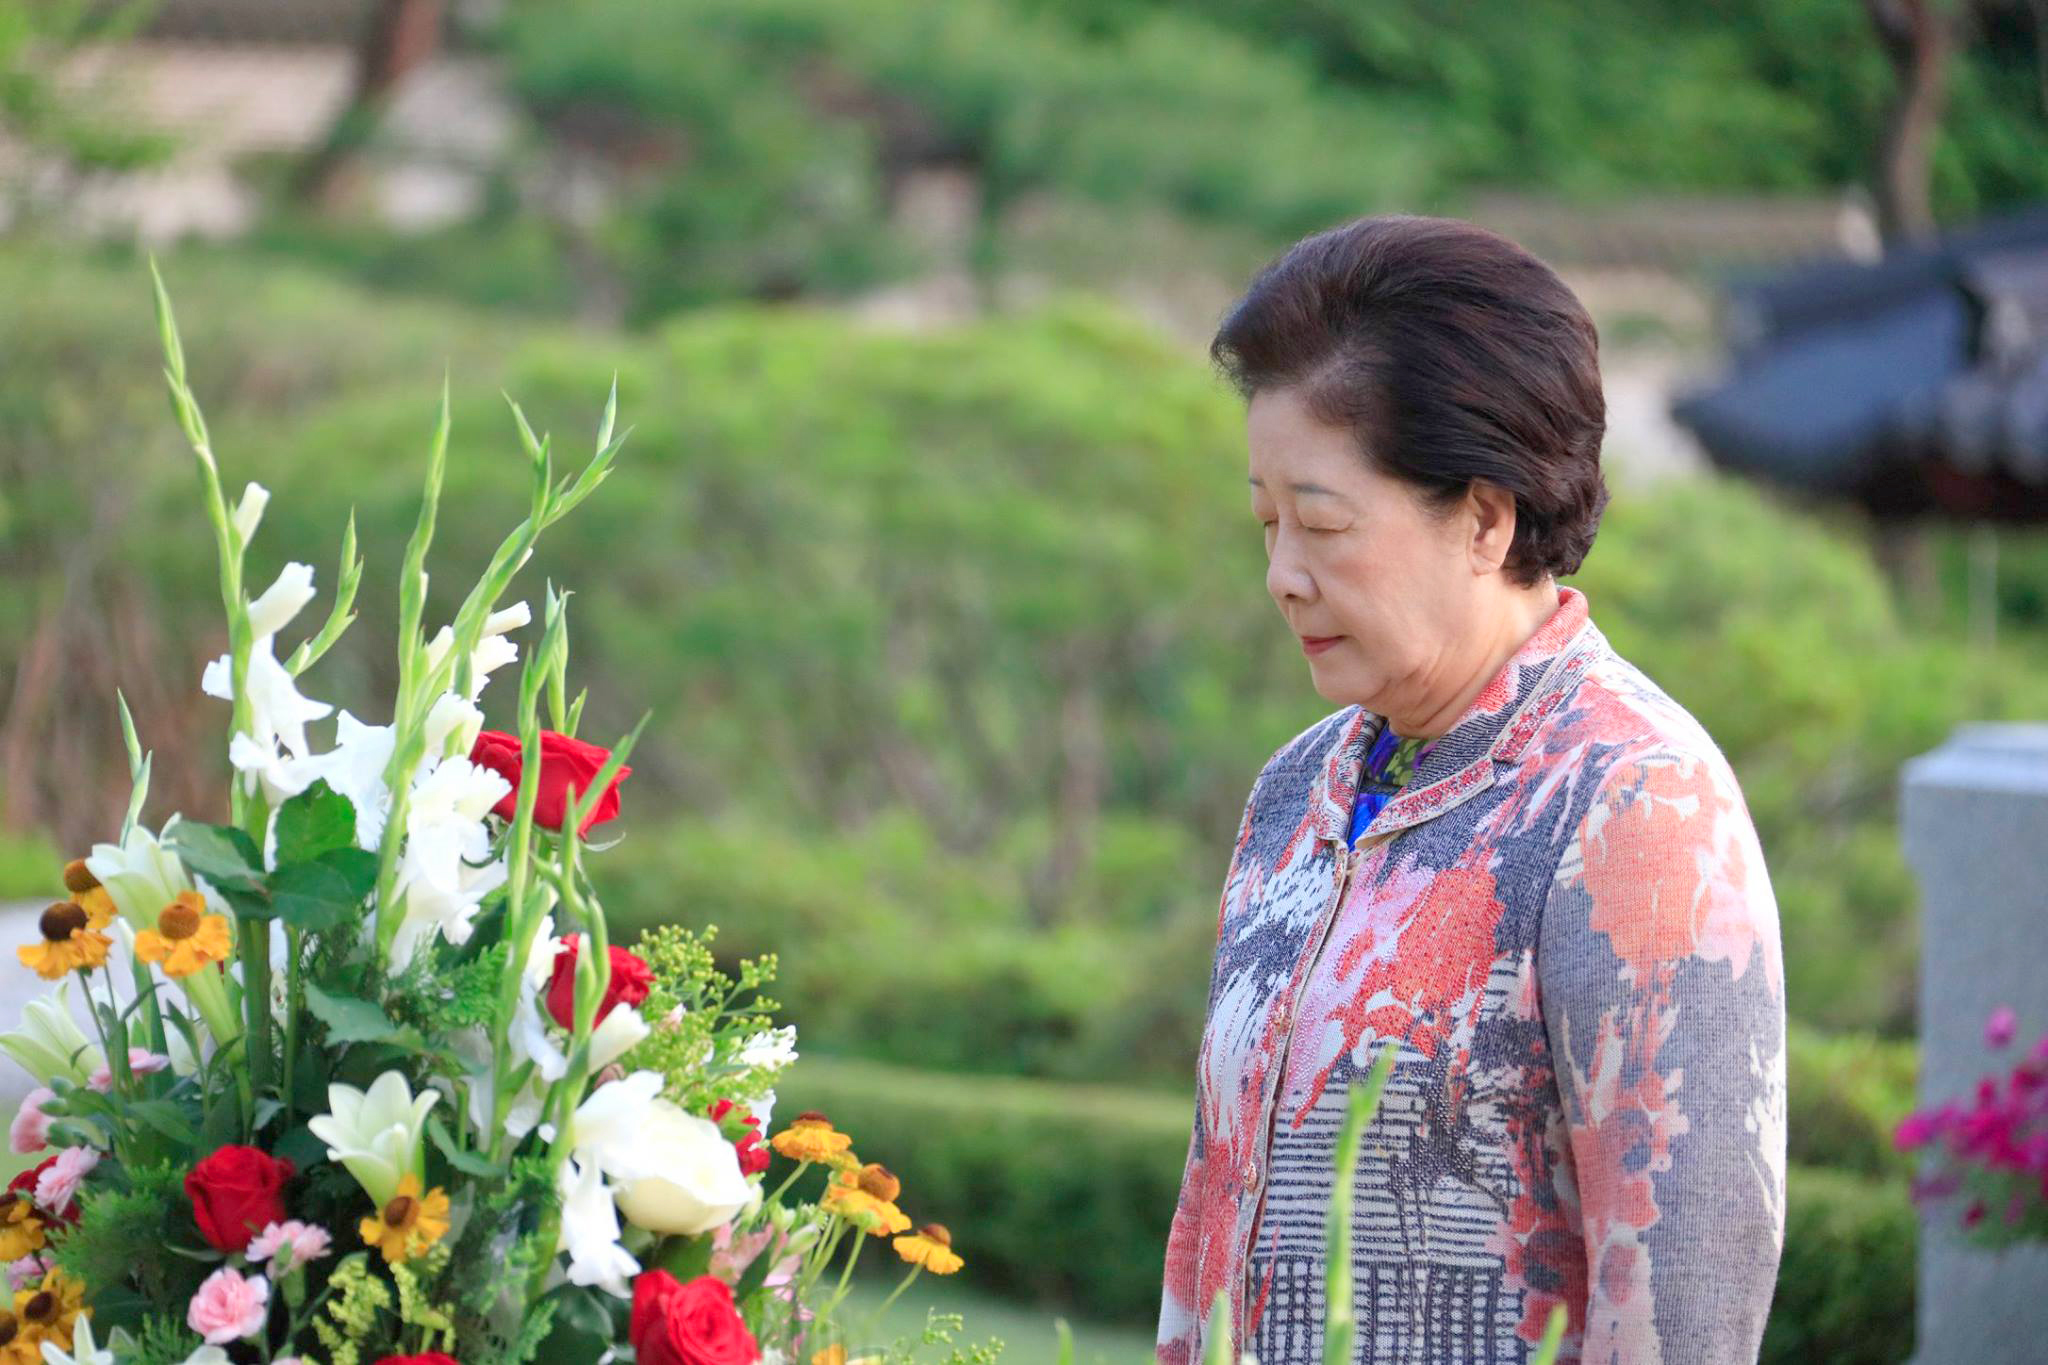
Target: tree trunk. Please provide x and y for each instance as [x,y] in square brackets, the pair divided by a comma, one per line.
[398,36]
[1918,38]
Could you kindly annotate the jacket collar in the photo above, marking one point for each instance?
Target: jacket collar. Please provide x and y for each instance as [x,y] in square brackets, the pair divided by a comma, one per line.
[1495,729]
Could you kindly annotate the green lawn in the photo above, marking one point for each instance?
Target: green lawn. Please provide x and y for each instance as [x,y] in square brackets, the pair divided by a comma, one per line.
[1027,1333]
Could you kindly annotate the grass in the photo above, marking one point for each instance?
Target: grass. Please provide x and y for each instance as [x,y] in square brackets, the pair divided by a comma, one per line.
[1028,1333]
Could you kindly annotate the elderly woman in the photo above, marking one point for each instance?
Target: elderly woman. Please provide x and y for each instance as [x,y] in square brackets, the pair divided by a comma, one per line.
[1509,857]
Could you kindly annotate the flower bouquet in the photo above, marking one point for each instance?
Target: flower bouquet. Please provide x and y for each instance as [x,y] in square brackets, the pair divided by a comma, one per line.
[366,1082]
[1990,1155]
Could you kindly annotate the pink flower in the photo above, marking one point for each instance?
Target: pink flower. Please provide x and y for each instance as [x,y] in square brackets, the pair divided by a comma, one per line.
[229,1306]
[298,1242]
[27,1272]
[2001,1026]
[1915,1130]
[56,1186]
[141,1061]
[30,1131]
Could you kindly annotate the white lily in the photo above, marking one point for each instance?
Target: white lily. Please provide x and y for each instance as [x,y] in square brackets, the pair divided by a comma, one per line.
[50,1043]
[590,1231]
[277,712]
[376,1134]
[140,874]
[445,837]
[85,1348]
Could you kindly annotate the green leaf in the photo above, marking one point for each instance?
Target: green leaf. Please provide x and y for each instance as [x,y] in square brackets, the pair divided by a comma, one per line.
[348,1019]
[166,1118]
[300,1147]
[469,1163]
[317,821]
[223,854]
[315,896]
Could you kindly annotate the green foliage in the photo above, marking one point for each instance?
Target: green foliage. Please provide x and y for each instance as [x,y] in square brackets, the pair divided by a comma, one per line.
[123,1208]
[1848,1092]
[965,662]
[766,127]
[697,1022]
[1846,1285]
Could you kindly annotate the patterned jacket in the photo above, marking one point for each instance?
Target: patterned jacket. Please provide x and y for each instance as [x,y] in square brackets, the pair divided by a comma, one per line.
[1564,926]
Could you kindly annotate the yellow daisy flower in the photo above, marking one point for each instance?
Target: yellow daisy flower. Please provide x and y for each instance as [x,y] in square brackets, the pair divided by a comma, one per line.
[186,938]
[21,1229]
[409,1223]
[931,1246]
[835,1354]
[810,1137]
[868,1196]
[19,1345]
[69,942]
[91,896]
[47,1313]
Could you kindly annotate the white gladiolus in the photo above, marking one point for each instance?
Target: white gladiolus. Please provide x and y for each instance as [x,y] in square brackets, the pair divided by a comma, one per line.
[249,511]
[590,1231]
[611,1123]
[617,1034]
[493,651]
[376,1134]
[444,836]
[776,1048]
[277,713]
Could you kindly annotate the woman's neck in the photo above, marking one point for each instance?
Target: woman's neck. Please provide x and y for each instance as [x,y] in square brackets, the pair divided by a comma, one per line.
[1521,614]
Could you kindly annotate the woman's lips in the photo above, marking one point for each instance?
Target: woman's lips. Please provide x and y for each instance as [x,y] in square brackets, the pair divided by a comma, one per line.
[1316,644]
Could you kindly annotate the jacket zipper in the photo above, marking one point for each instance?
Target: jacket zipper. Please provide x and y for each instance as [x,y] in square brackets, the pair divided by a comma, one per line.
[1351,857]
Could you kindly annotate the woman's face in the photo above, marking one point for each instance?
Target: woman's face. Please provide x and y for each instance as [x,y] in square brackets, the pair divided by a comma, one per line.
[1354,557]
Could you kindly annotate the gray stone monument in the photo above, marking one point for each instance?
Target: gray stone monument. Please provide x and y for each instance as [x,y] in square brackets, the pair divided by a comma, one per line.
[1975,820]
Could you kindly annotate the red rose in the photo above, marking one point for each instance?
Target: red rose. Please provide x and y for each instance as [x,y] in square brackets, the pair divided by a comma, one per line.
[235,1192]
[564,762]
[688,1324]
[753,1156]
[631,976]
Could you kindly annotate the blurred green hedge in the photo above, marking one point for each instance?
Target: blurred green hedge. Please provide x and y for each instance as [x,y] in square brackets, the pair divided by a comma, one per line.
[1063,1193]
[957,644]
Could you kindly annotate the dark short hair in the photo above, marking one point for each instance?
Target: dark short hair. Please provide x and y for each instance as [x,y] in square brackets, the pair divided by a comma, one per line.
[1452,354]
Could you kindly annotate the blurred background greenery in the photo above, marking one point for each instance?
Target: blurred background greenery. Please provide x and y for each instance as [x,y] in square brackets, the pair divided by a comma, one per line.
[929,549]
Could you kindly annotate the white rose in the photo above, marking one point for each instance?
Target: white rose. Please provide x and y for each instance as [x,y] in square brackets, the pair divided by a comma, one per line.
[691,1182]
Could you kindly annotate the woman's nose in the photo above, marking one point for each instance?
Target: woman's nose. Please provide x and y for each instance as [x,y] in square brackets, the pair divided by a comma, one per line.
[1285,576]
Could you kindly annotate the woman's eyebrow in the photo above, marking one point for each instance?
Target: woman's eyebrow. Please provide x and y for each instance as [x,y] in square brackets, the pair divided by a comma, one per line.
[1310,488]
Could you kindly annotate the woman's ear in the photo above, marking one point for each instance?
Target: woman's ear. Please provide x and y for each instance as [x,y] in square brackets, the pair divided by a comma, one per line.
[1491,510]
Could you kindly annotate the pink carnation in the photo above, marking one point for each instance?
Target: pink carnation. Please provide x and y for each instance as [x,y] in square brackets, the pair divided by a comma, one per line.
[2001,1026]
[56,1186]
[30,1131]
[300,1243]
[229,1306]
[27,1272]
[141,1061]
